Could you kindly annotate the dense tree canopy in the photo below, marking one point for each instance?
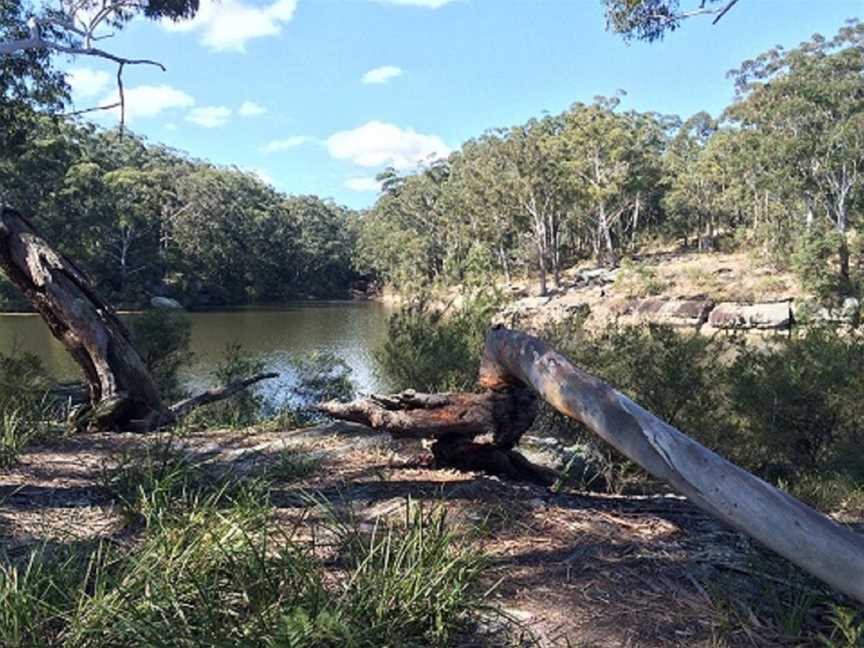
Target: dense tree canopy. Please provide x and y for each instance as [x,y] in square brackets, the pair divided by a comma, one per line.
[144,220]
[783,169]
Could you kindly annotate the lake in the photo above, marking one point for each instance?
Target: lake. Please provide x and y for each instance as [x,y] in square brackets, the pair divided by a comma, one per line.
[351,330]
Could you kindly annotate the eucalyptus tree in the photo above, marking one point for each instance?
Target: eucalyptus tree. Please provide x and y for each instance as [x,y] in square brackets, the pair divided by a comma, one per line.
[612,162]
[650,20]
[533,179]
[808,105]
[489,219]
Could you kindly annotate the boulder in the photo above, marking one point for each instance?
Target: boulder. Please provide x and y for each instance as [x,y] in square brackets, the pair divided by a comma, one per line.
[674,312]
[165,303]
[767,316]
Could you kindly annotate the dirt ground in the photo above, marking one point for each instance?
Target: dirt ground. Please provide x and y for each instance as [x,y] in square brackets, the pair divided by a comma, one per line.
[571,569]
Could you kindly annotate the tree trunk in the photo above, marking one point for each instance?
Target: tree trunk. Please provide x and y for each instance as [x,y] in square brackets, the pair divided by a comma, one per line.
[122,393]
[806,537]
[454,420]
[541,269]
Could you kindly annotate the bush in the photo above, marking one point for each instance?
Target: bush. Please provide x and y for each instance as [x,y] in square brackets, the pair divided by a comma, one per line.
[799,406]
[677,376]
[814,261]
[319,377]
[436,349]
[162,338]
[241,410]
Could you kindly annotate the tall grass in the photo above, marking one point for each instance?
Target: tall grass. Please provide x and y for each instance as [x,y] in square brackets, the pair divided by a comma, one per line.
[215,576]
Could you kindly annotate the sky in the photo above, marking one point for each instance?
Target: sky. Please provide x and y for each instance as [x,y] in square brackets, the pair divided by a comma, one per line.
[317,96]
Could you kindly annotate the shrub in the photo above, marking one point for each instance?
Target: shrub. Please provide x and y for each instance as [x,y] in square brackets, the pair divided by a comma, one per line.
[813,260]
[162,338]
[436,349]
[799,405]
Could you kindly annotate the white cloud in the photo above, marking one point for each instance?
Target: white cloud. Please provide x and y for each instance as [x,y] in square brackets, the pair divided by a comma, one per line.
[148,101]
[262,175]
[275,146]
[363,184]
[376,143]
[86,82]
[250,109]
[382,74]
[430,4]
[226,25]
[209,116]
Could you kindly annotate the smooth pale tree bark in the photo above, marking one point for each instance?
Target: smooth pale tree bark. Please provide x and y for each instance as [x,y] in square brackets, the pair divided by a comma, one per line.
[811,540]
[122,393]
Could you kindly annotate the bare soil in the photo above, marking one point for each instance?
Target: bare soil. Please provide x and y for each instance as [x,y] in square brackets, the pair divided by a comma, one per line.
[569,569]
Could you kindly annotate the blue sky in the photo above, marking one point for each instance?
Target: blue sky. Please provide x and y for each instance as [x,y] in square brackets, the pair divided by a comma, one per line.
[317,96]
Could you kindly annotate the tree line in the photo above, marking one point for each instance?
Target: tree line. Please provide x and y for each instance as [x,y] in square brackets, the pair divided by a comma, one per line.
[142,219]
[781,171]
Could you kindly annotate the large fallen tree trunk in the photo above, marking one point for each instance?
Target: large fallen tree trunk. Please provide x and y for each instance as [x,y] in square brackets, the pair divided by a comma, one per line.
[122,393]
[514,361]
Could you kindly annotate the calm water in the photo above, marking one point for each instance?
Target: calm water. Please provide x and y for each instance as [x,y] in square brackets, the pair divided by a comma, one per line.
[350,330]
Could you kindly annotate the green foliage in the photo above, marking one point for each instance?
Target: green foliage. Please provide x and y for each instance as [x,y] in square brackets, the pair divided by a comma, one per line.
[677,376]
[162,339]
[223,576]
[650,20]
[436,349]
[143,219]
[799,403]
[25,407]
[318,377]
[243,409]
[814,251]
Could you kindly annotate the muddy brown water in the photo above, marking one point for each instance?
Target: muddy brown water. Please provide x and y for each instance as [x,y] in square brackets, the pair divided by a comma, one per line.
[273,335]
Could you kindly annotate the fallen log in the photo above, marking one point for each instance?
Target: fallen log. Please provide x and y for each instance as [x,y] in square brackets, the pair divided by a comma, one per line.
[495,418]
[514,362]
[122,394]
[807,538]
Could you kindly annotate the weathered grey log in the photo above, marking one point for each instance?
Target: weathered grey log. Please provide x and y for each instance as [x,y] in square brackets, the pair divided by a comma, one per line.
[807,538]
[122,393]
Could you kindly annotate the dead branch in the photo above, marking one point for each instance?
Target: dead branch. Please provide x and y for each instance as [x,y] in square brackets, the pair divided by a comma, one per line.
[184,407]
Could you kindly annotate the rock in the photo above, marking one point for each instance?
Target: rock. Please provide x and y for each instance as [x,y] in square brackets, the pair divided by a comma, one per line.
[674,312]
[165,303]
[770,316]
[685,312]
[598,275]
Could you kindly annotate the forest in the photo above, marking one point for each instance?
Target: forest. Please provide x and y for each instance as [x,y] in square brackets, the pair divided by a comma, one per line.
[144,220]
[779,172]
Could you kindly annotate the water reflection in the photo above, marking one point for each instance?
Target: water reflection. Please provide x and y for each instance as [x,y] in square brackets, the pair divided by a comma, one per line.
[351,330]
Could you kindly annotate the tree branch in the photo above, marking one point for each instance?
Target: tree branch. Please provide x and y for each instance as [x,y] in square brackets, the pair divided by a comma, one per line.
[181,409]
